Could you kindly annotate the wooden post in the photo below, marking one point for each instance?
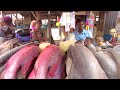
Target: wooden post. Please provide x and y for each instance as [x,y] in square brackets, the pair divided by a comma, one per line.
[11,16]
[100,24]
[22,19]
[16,20]
[87,14]
[38,15]
[49,26]
[1,14]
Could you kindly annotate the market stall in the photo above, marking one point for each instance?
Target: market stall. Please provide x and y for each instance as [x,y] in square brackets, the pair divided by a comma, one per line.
[64,60]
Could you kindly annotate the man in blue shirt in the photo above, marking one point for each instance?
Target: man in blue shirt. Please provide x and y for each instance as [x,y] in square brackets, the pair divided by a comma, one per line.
[80,33]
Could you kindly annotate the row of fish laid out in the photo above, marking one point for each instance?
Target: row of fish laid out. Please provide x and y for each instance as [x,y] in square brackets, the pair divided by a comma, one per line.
[69,60]
[92,62]
[32,61]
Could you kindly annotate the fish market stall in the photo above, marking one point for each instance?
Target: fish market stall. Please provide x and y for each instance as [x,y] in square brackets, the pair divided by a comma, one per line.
[22,58]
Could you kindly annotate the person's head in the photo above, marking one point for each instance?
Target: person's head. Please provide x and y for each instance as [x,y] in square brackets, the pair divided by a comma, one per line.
[95,25]
[80,24]
[88,41]
[71,29]
[33,24]
[39,23]
[6,20]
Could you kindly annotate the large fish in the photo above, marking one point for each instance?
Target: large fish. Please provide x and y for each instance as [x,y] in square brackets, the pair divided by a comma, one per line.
[5,56]
[23,56]
[84,64]
[107,62]
[46,64]
[2,40]
[57,70]
[68,66]
[32,75]
[116,53]
[7,45]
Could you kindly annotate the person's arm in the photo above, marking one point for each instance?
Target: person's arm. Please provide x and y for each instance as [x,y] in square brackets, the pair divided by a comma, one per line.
[88,41]
[80,41]
[89,34]
[2,34]
[41,36]
[44,38]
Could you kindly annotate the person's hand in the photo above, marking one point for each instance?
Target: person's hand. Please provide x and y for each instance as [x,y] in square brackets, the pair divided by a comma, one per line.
[88,41]
[39,35]
[80,42]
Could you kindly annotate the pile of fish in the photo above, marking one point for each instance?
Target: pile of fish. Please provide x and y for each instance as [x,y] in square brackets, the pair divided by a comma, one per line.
[92,62]
[31,61]
[68,60]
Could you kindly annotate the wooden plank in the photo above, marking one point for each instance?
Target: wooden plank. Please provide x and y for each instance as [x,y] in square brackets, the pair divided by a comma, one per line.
[34,14]
[80,13]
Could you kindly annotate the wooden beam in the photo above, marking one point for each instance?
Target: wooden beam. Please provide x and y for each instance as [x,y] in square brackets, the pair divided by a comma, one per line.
[34,15]
[46,17]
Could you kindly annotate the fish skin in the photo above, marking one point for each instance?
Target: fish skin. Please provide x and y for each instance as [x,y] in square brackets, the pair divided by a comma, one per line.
[46,59]
[31,75]
[107,62]
[57,69]
[7,45]
[13,64]
[5,56]
[84,64]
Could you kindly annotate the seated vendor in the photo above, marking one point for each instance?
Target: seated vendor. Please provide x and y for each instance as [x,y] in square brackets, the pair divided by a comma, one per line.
[36,32]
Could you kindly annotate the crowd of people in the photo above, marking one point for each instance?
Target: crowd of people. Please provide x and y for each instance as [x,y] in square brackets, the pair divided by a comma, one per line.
[7,30]
[86,37]
[81,35]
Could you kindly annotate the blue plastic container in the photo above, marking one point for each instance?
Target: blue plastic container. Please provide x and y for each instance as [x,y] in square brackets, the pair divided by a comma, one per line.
[23,39]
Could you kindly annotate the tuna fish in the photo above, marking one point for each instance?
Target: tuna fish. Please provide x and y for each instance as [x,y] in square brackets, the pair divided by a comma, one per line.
[84,64]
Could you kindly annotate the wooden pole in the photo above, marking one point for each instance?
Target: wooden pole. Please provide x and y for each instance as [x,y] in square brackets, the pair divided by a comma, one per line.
[37,15]
[49,26]
[16,20]
[22,19]
[34,15]
[38,18]
[11,15]
[1,14]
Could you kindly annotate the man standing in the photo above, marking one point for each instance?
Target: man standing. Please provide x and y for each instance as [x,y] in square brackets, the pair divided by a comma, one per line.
[80,33]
